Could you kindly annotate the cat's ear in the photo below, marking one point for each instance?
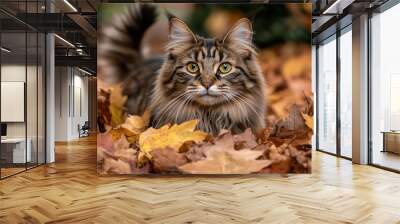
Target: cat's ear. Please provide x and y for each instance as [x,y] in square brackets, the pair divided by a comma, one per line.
[180,35]
[240,36]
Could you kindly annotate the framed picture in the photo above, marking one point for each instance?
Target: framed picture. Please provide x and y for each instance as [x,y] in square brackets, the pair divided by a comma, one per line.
[204,88]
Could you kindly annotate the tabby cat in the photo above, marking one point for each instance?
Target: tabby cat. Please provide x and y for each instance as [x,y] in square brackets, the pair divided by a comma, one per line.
[215,80]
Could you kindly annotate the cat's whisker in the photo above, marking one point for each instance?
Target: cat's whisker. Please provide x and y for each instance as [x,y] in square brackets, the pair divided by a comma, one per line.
[181,107]
[249,104]
[241,108]
[167,107]
[183,97]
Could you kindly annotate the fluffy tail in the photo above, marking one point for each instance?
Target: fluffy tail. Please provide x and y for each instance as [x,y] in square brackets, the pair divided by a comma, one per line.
[119,42]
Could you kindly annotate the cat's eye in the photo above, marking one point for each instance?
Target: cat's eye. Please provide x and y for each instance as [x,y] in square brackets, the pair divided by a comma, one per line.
[192,67]
[225,68]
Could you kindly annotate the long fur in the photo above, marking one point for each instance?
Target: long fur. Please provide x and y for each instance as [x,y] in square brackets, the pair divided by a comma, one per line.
[171,92]
[119,59]
[119,42]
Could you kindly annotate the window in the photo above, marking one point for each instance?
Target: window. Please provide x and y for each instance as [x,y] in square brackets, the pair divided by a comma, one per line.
[385,89]
[346,92]
[22,77]
[327,96]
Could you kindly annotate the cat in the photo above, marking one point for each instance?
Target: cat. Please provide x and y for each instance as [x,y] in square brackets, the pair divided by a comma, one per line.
[217,81]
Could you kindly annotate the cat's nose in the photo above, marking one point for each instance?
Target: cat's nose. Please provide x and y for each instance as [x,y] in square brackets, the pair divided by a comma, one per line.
[206,85]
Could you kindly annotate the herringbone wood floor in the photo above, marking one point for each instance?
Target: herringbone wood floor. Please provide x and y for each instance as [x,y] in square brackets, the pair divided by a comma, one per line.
[70,191]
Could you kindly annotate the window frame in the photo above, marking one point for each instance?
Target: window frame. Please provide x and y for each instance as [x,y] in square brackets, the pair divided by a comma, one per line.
[381,9]
[337,34]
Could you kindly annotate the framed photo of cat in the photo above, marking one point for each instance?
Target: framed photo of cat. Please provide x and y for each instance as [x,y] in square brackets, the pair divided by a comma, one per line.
[186,88]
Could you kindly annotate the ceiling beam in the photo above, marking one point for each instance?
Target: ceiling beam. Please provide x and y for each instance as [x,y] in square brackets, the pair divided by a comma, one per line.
[79,61]
[84,24]
[337,7]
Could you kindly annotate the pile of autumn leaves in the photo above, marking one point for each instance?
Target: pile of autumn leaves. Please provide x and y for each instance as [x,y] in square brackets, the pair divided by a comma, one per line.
[128,146]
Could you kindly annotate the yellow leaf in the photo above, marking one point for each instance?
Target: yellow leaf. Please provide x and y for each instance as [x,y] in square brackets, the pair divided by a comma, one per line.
[309,121]
[117,102]
[133,126]
[168,136]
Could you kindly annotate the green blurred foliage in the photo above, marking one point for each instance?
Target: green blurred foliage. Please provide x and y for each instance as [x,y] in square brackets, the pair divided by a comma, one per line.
[272,23]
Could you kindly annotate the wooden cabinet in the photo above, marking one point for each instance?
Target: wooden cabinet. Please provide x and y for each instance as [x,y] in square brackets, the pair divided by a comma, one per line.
[391,142]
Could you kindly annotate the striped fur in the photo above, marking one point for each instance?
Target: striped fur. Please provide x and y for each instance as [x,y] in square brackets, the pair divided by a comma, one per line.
[119,59]
[233,100]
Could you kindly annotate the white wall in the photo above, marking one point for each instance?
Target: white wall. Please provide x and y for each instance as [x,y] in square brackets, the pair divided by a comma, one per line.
[33,127]
[81,104]
[61,103]
[71,102]
[16,73]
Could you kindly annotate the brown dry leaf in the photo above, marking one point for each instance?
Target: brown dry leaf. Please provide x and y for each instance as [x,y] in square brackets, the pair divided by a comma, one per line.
[293,126]
[117,102]
[167,160]
[100,153]
[286,157]
[121,143]
[146,117]
[109,145]
[309,121]
[127,155]
[281,160]
[105,141]
[103,105]
[245,140]
[263,135]
[116,166]
[197,152]
[309,108]
[115,156]
[222,158]
[168,136]
[302,157]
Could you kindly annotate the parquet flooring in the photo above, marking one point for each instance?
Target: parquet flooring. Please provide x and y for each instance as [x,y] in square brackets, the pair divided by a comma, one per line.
[70,191]
[10,171]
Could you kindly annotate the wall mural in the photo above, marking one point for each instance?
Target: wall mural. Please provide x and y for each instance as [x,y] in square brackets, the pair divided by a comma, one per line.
[204,88]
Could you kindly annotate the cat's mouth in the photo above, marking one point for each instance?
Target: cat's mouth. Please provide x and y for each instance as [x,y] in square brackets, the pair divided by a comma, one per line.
[209,94]
[209,99]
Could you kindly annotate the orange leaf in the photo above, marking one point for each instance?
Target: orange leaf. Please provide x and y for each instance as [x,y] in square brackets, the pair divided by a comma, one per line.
[309,121]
